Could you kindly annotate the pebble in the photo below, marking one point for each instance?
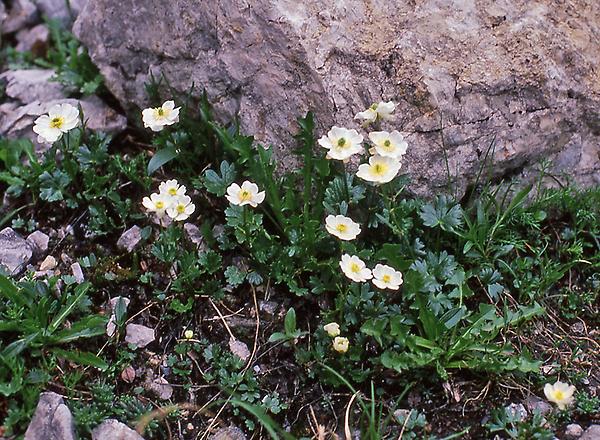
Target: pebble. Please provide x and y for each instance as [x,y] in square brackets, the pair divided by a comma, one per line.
[139,335]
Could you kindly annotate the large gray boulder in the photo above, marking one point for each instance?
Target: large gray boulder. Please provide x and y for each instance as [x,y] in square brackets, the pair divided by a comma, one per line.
[522,74]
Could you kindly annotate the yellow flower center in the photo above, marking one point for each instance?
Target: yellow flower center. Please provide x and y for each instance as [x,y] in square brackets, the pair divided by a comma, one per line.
[559,395]
[173,191]
[180,208]
[57,122]
[161,112]
[379,169]
[160,205]
[341,142]
[354,267]
[386,278]
[245,195]
[373,106]
[341,227]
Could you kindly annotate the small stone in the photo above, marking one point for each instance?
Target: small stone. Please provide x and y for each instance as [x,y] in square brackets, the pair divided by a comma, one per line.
[517,410]
[49,263]
[139,335]
[34,40]
[160,387]
[112,429]
[578,328]
[39,242]
[128,374]
[194,235]
[77,273]
[269,307]
[15,252]
[51,420]
[535,404]
[130,239]
[573,431]
[239,348]
[229,433]
[592,433]
[111,326]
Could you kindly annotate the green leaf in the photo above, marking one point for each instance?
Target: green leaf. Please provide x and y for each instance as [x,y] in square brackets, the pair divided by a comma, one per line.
[82,358]
[10,291]
[290,321]
[217,184]
[160,158]
[73,301]
[442,212]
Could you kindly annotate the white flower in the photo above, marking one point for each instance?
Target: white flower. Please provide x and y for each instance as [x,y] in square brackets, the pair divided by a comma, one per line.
[60,119]
[383,110]
[188,334]
[171,188]
[379,169]
[560,393]
[157,203]
[342,227]
[388,144]
[332,329]
[247,194]
[181,208]
[157,118]
[340,344]
[386,277]
[355,269]
[341,143]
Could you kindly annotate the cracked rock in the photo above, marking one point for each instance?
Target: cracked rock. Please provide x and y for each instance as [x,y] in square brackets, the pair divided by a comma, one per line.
[52,420]
[139,335]
[112,429]
[15,252]
[444,62]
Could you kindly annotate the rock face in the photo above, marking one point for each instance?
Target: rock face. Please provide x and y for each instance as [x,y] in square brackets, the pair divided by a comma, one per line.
[52,420]
[516,73]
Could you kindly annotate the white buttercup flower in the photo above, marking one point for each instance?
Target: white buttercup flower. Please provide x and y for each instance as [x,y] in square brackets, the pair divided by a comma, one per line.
[388,144]
[340,344]
[386,277]
[342,227]
[341,143]
[60,119]
[560,393]
[157,203]
[247,194]
[332,329]
[157,118]
[379,169]
[381,110]
[355,269]
[172,188]
[181,208]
